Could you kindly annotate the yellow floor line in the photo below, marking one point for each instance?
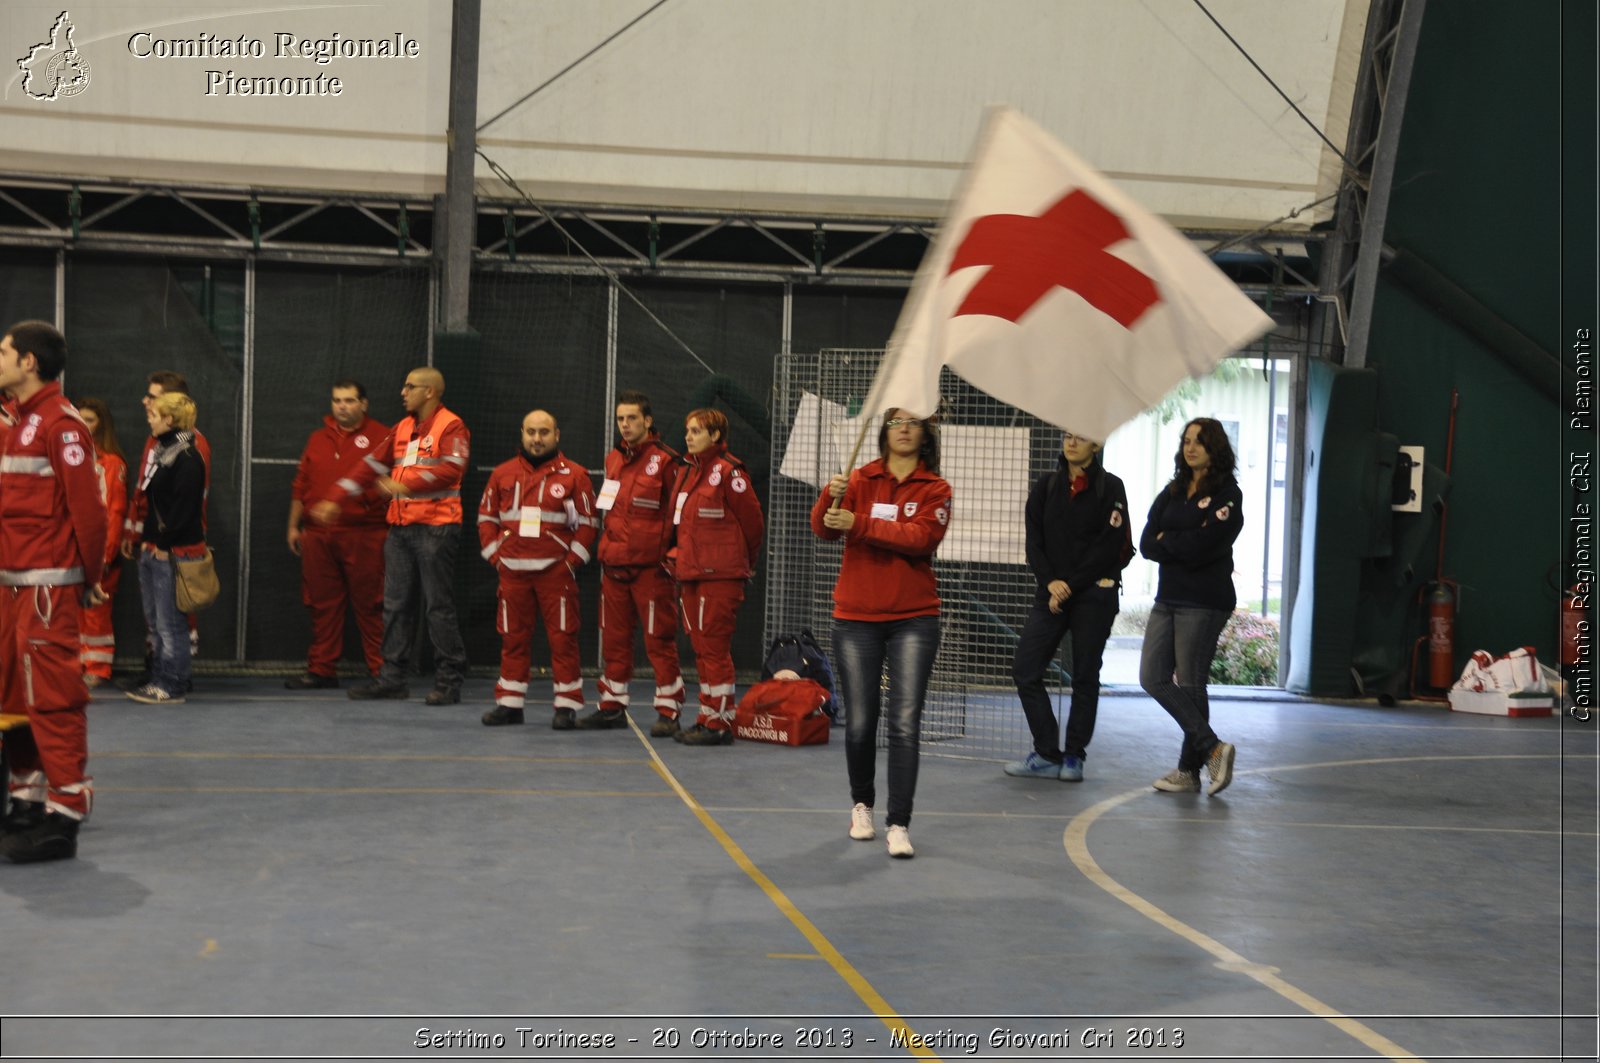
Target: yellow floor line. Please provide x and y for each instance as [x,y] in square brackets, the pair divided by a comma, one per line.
[825,949]
[1075,839]
[408,757]
[493,790]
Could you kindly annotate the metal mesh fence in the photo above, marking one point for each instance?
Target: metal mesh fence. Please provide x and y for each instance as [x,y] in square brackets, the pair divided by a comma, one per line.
[991,453]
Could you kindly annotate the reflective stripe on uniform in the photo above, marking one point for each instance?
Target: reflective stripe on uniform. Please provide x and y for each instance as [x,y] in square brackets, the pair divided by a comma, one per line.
[26,466]
[40,577]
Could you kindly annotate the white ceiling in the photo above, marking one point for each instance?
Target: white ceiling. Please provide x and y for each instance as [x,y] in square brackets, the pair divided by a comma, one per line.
[861,107]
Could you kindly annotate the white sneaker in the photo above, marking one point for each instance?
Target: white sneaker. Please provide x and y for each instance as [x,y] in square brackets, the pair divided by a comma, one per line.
[1178,781]
[900,843]
[861,828]
[1220,768]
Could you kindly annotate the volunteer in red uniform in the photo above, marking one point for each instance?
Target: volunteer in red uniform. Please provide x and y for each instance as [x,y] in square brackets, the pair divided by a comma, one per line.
[635,590]
[419,469]
[52,547]
[96,635]
[340,564]
[892,514]
[537,527]
[718,529]
[158,384]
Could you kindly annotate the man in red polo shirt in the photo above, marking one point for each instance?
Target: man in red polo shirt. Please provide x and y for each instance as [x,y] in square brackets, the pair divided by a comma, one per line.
[419,470]
[342,563]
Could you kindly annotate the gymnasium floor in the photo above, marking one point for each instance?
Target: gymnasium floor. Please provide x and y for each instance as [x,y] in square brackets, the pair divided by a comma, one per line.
[1377,883]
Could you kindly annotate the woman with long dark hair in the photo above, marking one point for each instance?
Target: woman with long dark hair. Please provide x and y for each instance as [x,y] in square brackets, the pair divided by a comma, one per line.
[96,638]
[892,514]
[1190,532]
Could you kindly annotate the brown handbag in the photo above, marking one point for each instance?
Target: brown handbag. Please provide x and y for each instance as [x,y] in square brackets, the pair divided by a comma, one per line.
[196,581]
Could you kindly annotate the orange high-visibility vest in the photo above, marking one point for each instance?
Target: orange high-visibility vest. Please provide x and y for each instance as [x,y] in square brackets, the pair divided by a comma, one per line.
[424,506]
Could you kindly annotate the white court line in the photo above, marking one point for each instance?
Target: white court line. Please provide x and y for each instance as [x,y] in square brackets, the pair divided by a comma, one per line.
[1075,840]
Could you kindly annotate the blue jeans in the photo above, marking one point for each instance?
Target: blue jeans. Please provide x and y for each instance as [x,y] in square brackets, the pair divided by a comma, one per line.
[860,650]
[1088,615]
[1181,640]
[419,561]
[169,628]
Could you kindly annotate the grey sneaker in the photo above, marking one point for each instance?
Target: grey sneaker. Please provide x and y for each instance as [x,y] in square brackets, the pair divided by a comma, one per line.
[861,828]
[1220,768]
[1178,781]
[1033,766]
[900,843]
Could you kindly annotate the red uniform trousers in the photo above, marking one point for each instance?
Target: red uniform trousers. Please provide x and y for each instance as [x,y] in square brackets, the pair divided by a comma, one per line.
[339,567]
[97,640]
[709,610]
[628,596]
[40,674]
[523,597]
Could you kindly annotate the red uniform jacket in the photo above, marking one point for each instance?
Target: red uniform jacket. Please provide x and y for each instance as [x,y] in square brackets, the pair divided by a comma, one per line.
[331,453]
[887,571]
[52,522]
[717,516]
[532,516]
[114,496]
[139,505]
[640,512]
[433,473]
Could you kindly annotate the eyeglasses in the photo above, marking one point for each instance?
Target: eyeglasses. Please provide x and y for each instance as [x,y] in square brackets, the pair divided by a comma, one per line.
[1068,437]
[408,386]
[896,422]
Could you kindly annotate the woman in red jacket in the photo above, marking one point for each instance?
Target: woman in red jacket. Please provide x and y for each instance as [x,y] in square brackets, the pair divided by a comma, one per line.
[718,525]
[97,640]
[892,514]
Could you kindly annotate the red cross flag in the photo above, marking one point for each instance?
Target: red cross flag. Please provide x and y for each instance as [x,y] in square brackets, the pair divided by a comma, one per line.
[1052,290]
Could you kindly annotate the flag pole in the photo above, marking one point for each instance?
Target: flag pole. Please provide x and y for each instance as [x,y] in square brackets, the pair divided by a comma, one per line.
[923,286]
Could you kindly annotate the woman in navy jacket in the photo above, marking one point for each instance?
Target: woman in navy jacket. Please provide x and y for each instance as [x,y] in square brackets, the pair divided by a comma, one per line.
[1190,532]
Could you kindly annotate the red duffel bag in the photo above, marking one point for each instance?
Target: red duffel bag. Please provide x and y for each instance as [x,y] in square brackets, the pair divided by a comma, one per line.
[786,712]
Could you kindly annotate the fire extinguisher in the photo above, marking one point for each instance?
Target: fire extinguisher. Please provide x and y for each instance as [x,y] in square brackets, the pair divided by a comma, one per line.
[1441,636]
[1573,606]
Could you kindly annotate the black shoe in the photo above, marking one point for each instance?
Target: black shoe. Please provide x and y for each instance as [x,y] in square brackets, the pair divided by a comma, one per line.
[564,720]
[311,681]
[602,720]
[54,837]
[23,816]
[701,735]
[499,716]
[665,727]
[377,690]
[442,696]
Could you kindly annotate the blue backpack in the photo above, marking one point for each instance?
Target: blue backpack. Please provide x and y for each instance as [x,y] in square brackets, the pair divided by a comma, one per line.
[801,655]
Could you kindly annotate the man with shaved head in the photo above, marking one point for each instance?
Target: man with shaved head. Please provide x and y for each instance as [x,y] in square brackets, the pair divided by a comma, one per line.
[419,469]
[537,526]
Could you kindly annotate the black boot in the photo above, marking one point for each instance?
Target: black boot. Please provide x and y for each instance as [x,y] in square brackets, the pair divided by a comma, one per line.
[602,720]
[54,837]
[23,815]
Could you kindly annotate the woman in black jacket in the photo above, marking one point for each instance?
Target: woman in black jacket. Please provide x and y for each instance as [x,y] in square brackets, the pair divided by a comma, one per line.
[175,484]
[1190,532]
[1078,544]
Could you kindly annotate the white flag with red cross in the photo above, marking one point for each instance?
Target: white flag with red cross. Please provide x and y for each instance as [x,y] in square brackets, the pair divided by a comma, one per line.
[1052,290]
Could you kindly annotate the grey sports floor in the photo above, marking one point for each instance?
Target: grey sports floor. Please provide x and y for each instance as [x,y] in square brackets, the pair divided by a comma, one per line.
[1377,883]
